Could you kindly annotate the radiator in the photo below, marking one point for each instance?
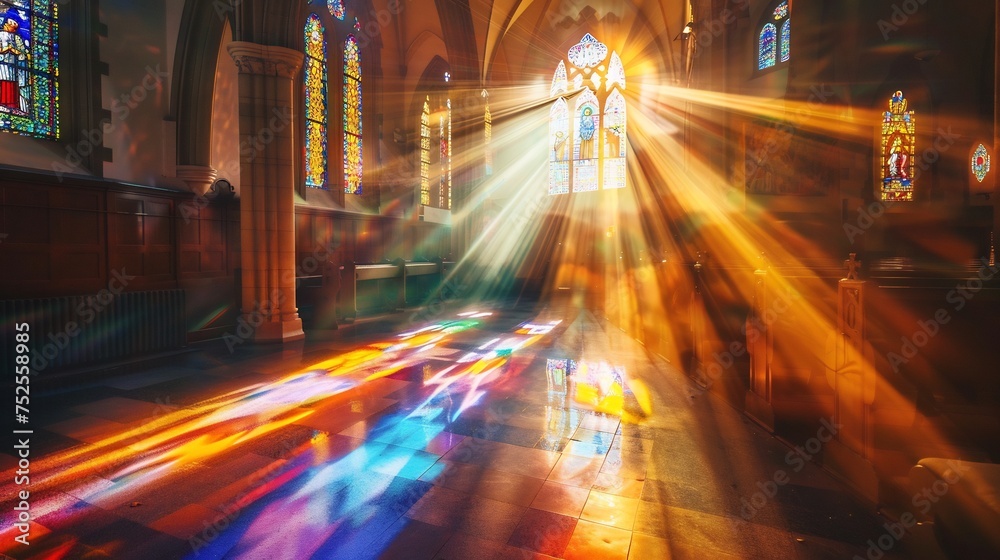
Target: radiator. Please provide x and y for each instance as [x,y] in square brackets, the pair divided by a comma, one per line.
[76,331]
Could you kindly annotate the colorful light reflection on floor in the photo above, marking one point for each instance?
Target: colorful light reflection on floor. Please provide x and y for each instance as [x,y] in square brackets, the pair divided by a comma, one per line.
[324,490]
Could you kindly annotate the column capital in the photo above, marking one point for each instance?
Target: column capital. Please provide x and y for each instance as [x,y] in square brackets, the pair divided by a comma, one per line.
[253,58]
[199,178]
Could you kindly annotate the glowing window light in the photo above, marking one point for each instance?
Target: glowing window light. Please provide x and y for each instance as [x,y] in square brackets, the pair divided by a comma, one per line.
[578,161]
[897,150]
[766,46]
[336,8]
[353,155]
[981,163]
[425,153]
[316,103]
[786,40]
[560,83]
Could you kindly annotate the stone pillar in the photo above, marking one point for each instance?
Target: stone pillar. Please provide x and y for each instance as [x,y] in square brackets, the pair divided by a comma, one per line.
[759,401]
[267,80]
[853,377]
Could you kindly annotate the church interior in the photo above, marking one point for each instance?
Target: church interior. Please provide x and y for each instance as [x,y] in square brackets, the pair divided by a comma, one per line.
[284,279]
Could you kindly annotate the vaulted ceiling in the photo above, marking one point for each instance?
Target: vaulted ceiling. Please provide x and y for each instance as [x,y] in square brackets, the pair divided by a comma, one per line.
[514,36]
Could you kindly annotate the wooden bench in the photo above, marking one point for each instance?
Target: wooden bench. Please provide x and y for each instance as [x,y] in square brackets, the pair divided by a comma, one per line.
[964,500]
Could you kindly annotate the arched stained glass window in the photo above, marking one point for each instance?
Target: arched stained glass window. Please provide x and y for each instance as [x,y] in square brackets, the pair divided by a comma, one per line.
[774,41]
[559,83]
[316,103]
[614,141]
[488,136]
[444,183]
[786,40]
[425,153]
[586,153]
[352,117]
[336,8]
[29,93]
[898,148]
[559,147]
[766,46]
[616,72]
[585,142]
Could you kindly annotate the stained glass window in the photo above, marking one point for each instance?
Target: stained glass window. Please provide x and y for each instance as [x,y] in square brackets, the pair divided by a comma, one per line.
[316,106]
[488,137]
[616,72]
[614,141]
[781,12]
[585,143]
[774,46]
[559,147]
[898,147]
[588,53]
[786,40]
[980,163]
[766,48]
[352,117]
[444,183]
[29,94]
[425,153]
[357,25]
[559,82]
[584,155]
[336,8]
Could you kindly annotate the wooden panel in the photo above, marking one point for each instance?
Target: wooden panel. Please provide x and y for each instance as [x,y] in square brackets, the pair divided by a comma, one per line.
[189,231]
[190,262]
[80,266]
[76,227]
[213,261]
[24,267]
[128,205]
[132,263]
[157,230]
[158,207]
[159,263]
[129,229]
[75,200]
[27,225]
[18,196]
[213,232]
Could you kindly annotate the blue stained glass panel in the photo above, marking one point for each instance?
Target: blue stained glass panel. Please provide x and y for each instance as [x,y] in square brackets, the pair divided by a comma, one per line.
[767,46]
[786,40]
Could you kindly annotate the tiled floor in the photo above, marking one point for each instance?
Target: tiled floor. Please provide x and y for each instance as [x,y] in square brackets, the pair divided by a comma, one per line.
[514,435]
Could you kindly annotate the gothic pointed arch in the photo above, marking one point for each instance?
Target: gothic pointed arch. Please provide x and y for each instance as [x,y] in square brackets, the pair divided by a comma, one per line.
[193,85]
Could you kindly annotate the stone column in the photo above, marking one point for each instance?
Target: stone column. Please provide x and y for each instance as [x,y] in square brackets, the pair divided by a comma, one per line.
[267,80]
